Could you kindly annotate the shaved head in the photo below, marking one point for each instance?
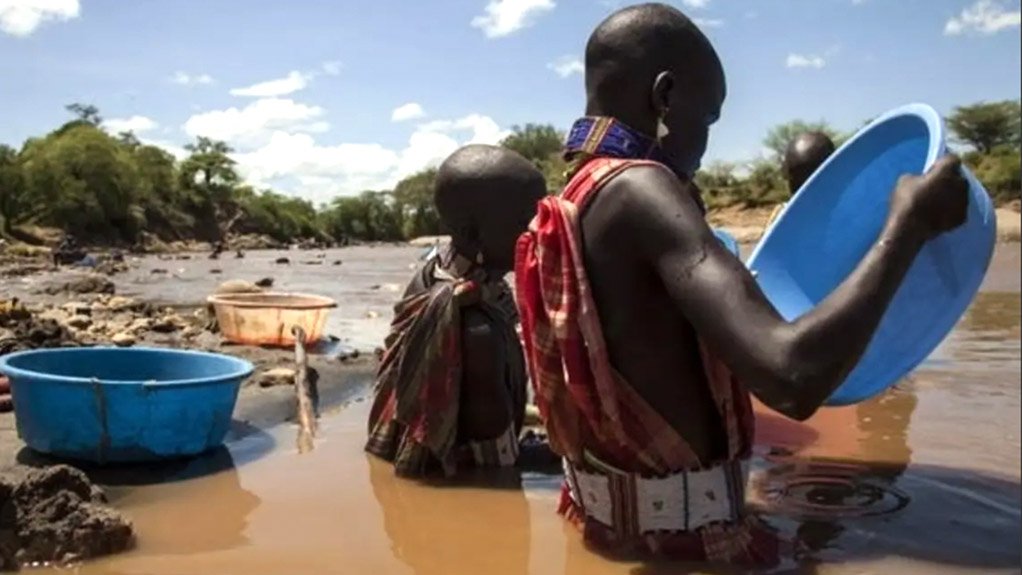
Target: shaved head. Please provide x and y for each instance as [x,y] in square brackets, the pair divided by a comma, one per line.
[649,61]
[486,196]
[804,155]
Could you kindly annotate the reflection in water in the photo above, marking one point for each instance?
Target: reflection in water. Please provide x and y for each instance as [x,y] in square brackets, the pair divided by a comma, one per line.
[434,527]
[197,515]
[834,493]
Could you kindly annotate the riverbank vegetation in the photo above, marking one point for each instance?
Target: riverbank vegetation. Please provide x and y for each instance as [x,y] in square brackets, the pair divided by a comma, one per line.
[117,190]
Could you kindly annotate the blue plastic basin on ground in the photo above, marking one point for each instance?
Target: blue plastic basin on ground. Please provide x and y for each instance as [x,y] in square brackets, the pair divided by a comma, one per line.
[830,224]
[119,405]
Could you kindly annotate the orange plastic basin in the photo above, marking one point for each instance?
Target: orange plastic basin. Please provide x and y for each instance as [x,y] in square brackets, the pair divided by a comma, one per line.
[267,318]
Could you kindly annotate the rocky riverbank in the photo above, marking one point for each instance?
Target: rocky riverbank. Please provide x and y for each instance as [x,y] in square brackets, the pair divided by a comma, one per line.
[50,512]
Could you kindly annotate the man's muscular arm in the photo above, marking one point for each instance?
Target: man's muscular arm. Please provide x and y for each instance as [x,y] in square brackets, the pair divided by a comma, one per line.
[791,366]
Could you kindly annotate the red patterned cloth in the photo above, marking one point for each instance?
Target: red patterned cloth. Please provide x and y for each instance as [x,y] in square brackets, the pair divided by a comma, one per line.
[587,405]
[413,422]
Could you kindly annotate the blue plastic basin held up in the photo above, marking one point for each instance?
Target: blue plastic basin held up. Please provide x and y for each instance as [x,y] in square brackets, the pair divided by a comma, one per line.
[834,219]
[119,405]
[728,240]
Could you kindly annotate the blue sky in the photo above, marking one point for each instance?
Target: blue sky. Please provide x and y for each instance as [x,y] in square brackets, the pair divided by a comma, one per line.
[322,98]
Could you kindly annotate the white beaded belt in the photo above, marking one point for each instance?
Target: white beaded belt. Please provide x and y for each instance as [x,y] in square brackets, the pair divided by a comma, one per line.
[684,501]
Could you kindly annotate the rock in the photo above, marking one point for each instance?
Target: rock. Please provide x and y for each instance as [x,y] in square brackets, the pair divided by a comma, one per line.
[276,376]
[55,515]
[158,271]
[77,308]
[372,314]
[237,286]
[282,261]
[123,339]
[265,283]
[139,325]
[166,324]
[183,257]
[90,284]
[338,262]
[312,262]
[110,268]
[216,271]
[121,303]
[80,321]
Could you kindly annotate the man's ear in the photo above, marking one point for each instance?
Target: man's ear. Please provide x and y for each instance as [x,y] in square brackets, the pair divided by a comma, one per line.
[663,86]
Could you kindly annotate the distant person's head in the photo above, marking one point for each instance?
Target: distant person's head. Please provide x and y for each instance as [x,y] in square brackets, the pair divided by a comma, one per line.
[486,196]
[805,154]
[649,64]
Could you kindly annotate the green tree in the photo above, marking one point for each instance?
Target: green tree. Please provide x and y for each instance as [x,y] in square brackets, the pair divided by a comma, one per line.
[85,113]
[535,142]
[779,137]
[85,182]
[209,169]
[1000,171]
[370,216]
[16,207]
[129,139]
[413,199]
[210,177]
[987,125]
[541,144]
[164,203]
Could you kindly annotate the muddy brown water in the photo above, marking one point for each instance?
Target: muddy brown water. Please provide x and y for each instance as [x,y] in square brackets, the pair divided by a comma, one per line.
[925,479]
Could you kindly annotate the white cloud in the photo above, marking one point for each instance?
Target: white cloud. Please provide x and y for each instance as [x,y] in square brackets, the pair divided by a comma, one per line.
[708,22]
[289,84]
[22,17]
[296,163]
[254,124]
[505,17]
[484,129]
[332,68]
[567,66]
[805,61]
[135,124]
[185,79]
[695,3]
[409,111]
[985,17]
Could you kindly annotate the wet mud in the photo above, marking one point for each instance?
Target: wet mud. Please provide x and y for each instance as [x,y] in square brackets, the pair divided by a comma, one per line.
[56,516]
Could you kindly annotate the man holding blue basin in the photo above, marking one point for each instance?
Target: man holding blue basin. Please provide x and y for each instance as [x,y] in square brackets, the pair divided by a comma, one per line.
[645,336]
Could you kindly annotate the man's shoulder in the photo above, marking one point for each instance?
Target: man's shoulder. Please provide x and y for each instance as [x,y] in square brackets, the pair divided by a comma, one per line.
[638,190]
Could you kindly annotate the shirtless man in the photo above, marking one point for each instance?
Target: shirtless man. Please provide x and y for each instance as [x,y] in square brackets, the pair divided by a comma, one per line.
[451,386]
[635,317]
[804,155]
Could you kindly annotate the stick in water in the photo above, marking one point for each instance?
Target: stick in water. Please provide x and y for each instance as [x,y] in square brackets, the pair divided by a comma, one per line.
[304,394]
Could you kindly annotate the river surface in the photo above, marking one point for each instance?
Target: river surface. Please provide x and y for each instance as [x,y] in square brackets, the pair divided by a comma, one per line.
[924,479]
